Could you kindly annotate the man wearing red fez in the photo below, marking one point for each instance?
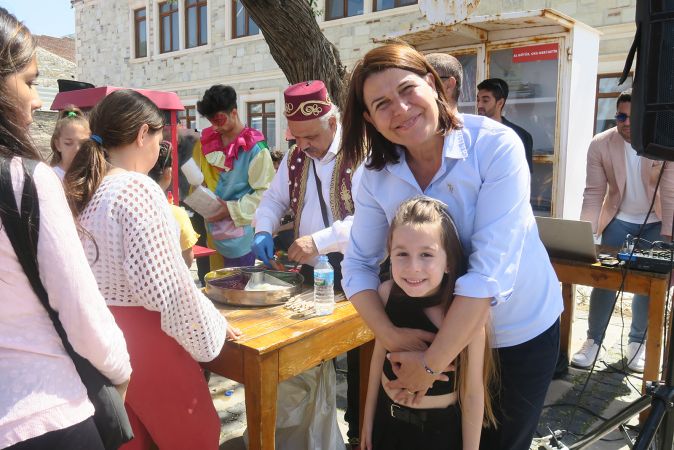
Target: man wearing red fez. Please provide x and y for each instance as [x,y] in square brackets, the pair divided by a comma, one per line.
[318,186]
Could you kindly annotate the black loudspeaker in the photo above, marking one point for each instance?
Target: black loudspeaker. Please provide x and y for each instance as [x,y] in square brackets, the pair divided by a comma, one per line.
[652,116]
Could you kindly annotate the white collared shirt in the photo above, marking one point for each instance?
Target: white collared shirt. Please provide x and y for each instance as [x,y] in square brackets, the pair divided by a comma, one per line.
[484,180]
[276,202]
[635,203]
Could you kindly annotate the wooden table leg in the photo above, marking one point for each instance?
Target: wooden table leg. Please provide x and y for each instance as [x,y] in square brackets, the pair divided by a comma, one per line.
[260,373]
[566,321]
[656,318]
[365,357]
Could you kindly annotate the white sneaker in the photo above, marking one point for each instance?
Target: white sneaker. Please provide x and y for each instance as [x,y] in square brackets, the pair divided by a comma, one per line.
[584,357]
[635,356]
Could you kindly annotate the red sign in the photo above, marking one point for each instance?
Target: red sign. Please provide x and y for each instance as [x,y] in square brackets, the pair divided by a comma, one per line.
[535,53]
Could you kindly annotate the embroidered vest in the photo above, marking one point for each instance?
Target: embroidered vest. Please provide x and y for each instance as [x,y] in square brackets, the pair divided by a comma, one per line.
[341,201]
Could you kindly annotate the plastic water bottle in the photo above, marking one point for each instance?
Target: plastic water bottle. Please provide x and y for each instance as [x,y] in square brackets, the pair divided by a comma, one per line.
[324,287]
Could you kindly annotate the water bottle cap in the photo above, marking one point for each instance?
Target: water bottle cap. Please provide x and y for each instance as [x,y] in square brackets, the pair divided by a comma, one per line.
[323,258]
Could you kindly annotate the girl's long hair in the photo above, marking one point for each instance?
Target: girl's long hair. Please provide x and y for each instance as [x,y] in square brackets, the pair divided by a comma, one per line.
[17,50]
[70,115]
[420,211]
[114,122]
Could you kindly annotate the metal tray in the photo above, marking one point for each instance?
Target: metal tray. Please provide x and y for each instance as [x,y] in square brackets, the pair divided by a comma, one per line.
[241,297]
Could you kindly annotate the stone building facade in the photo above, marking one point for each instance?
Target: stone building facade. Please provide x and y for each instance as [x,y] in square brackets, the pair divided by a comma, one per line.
[56,60]
[147,44]
[105,43]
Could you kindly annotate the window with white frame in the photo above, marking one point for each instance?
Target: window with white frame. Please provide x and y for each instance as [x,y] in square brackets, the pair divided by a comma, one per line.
[380,5]
[338,9]
[261,115]
[242,23]
[140,32]
[169,37]
[196,23]
[188,117]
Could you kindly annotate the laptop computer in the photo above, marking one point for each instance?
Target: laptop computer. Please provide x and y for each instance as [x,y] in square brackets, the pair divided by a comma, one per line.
[569,239]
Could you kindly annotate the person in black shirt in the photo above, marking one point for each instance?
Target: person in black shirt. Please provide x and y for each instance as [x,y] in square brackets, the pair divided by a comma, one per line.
[492,94]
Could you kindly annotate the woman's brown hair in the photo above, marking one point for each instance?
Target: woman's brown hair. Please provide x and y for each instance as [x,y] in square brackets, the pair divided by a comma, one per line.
[17,50]
[419,211]
[360,139]
[70,115]
[114,122]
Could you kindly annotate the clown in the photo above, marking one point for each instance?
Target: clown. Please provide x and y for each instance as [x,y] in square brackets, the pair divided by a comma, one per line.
[237,166]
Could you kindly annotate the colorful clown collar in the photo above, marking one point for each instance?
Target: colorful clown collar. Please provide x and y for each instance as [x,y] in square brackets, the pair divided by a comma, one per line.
[222,157]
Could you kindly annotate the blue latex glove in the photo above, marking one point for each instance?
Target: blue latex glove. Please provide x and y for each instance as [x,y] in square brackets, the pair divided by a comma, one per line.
[263,246]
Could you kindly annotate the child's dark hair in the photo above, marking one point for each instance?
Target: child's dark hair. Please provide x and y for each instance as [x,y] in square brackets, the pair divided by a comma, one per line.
[114,121]
[276,155]
[71,115]
[420,211]
[218,98]
[164,161]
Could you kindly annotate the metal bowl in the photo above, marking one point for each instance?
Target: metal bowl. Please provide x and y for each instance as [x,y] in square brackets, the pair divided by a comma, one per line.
[217,290]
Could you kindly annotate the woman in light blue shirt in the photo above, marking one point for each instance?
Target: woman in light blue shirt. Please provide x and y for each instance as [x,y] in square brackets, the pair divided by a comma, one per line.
[397,110]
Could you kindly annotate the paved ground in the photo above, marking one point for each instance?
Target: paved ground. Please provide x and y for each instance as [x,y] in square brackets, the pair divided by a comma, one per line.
[609,390]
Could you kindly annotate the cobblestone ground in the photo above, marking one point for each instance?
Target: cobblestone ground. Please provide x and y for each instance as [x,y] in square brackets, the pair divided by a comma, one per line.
[575,408]
[609,389]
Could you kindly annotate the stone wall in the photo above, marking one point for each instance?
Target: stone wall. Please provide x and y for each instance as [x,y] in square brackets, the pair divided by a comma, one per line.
[104,42]
[53,67]
[41,131]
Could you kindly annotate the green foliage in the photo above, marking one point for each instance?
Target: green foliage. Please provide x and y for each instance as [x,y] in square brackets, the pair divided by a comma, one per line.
[313,4]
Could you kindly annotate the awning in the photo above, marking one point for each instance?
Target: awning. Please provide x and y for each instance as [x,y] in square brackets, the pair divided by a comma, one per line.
[481,29]
[87,98]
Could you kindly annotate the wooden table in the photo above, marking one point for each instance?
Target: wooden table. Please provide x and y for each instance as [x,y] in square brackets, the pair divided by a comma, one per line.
[278,344]
[652,284]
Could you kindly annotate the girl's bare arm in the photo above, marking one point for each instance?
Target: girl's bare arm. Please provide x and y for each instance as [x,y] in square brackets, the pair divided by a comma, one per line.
[374,381]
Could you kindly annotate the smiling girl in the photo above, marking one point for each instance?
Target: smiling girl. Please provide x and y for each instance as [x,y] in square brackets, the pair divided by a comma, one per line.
[426,259]
[71,129]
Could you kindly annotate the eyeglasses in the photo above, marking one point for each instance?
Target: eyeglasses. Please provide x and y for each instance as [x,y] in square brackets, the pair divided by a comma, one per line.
[621,117]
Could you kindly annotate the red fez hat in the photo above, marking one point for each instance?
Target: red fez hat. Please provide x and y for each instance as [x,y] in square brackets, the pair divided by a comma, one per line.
[306,101]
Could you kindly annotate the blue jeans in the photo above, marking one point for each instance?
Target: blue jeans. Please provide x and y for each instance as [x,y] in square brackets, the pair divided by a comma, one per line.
[601,300]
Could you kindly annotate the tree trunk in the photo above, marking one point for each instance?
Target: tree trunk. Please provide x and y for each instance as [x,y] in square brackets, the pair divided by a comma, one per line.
[298,45]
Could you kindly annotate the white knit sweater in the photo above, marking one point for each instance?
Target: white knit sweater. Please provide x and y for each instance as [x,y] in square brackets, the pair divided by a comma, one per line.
[140,264]
[40,390]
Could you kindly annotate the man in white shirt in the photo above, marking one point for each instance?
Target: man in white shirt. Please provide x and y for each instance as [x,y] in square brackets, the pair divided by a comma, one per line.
[619,190]
[322,221]
[318,186]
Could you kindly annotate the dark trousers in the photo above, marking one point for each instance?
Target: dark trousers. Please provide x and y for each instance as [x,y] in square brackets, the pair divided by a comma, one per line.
[203,264]
[525,373]
[81,436]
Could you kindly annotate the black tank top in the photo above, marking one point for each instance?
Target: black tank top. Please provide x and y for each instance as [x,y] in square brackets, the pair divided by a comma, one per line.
[408,312]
